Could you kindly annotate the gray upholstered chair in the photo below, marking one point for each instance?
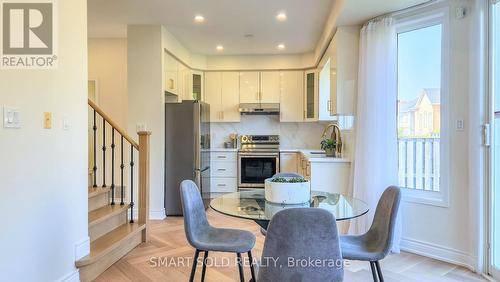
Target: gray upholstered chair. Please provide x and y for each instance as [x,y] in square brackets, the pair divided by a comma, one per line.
[205,238]
[301,235]
[375,244]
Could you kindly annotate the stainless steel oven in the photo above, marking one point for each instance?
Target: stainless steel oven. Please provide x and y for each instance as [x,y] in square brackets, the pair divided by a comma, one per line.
[258,159]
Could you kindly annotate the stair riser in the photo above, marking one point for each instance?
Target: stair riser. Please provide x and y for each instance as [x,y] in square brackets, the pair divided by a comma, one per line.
[107,225]
[98,201]
[90,272]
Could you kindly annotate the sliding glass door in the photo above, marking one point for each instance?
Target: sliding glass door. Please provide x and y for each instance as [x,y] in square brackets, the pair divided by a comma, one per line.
[494,251]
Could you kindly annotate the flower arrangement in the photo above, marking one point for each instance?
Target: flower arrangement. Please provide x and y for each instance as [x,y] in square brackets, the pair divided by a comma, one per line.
[289,180]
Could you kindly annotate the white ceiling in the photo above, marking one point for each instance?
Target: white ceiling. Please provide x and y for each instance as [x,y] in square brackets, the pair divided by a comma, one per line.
[227,21]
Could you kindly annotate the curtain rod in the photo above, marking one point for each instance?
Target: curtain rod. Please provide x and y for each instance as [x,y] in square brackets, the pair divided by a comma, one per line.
[406,10]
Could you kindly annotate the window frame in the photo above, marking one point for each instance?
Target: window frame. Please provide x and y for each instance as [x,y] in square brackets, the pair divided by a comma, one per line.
[415,21]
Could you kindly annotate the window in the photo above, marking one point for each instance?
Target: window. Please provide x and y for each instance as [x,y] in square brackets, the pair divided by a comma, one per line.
[420,107]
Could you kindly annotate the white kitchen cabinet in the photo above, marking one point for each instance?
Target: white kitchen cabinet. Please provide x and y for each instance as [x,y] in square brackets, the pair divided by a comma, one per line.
[270,87]
[230,102]
[331,177]
[250,87]
[289,162]
[182,82]
[223,171]
[194,85]
[291,96]
[311,95]
[213,92]
[338,75]
[221,92]
[170,72]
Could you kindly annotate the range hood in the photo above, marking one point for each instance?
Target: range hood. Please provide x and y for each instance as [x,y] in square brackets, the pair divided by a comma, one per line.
[260,108]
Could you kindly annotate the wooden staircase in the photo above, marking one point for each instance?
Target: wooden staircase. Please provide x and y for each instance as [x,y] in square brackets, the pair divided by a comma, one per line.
[112,229]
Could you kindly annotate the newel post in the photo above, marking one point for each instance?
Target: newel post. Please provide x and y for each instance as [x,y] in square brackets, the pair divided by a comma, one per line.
[144,137]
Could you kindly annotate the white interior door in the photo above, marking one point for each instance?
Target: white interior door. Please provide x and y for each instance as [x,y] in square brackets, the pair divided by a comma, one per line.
[494,251]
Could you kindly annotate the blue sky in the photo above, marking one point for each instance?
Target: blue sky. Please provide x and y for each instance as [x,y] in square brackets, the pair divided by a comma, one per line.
[419,61]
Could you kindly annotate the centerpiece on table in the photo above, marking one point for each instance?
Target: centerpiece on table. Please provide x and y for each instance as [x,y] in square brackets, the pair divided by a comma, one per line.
[287,190]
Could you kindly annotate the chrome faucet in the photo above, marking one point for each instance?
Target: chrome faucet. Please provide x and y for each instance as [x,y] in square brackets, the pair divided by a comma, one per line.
[334,136]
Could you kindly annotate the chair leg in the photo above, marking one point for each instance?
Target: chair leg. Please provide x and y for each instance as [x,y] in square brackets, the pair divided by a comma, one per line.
[240,267]
[374,273]
[252,270]
[379,271]
[204,269]
[195,262]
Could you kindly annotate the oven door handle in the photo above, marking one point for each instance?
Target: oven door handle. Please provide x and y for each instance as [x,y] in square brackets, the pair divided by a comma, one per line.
[250,155]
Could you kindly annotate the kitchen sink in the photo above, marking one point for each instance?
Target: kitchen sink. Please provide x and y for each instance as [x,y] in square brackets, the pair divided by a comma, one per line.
[317,153]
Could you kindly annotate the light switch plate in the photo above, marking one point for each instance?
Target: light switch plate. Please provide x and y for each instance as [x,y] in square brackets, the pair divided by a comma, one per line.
[460,125]
[11,117]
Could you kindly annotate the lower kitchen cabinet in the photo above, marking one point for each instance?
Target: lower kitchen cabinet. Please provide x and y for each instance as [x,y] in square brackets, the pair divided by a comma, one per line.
[289,162]
[223,171]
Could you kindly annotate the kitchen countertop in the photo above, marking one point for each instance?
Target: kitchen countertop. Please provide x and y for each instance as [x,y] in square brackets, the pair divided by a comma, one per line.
[310,154]
[223,150]
[313,156]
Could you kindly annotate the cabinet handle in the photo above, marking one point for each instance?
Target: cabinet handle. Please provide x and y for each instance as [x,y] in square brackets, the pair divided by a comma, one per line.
[305,114]
[221,185]
[221,169]
[328,105]
[222,113]
[221,157]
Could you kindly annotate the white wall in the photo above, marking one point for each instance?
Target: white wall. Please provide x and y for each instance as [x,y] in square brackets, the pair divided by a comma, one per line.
[446,232]
[44,171]
[260,62]
[146,102]
[108,65]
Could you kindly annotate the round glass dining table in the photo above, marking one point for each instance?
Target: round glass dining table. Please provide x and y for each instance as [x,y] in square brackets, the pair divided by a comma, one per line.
[251,204]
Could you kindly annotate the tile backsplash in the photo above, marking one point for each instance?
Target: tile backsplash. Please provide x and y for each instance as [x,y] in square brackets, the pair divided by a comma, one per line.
[294,135]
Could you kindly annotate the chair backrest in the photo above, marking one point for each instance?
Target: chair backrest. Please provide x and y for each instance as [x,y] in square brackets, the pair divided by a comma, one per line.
[195,218]
[296,237]
[381,232]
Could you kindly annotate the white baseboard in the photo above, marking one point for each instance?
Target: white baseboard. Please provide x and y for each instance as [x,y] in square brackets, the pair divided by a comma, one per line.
[153,215]
[82,248]
[439,252]
[72,277]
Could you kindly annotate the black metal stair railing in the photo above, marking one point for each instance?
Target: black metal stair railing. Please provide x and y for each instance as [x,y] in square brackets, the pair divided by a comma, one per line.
[108,169]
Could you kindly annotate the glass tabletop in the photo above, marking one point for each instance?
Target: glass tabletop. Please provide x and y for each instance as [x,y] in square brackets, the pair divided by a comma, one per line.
[251,204]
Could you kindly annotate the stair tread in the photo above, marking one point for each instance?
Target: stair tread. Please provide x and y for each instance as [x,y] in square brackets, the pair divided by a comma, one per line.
[101,214]
[109,242]
[96,191]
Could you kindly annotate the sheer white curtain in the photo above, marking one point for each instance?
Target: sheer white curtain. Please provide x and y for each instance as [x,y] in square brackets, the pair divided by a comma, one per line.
[375,165]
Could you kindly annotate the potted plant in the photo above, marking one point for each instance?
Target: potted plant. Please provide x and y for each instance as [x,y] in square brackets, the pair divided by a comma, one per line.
[329,146]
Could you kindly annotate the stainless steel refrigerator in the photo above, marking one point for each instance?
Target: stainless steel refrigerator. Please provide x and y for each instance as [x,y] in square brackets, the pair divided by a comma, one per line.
[187,150]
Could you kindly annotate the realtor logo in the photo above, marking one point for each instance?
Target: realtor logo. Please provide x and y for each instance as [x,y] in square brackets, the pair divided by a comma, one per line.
[28,34]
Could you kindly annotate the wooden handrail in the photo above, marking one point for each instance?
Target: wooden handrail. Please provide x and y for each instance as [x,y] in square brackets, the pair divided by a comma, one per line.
[113,124]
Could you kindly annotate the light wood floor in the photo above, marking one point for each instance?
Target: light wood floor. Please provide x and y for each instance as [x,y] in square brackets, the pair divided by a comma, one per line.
[168,242]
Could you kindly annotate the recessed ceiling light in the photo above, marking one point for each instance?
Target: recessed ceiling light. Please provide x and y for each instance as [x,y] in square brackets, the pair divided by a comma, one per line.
[281,46]
[219,48]
[281,16]
[199,18]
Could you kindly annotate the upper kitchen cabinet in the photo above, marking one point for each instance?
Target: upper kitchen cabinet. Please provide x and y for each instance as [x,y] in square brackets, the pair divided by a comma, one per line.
[249,87]
[221,92]
[338,75]
[310,95]
[269,87]
[260,87]
[213,94]
[171,74]
[230,97]
[291,96]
